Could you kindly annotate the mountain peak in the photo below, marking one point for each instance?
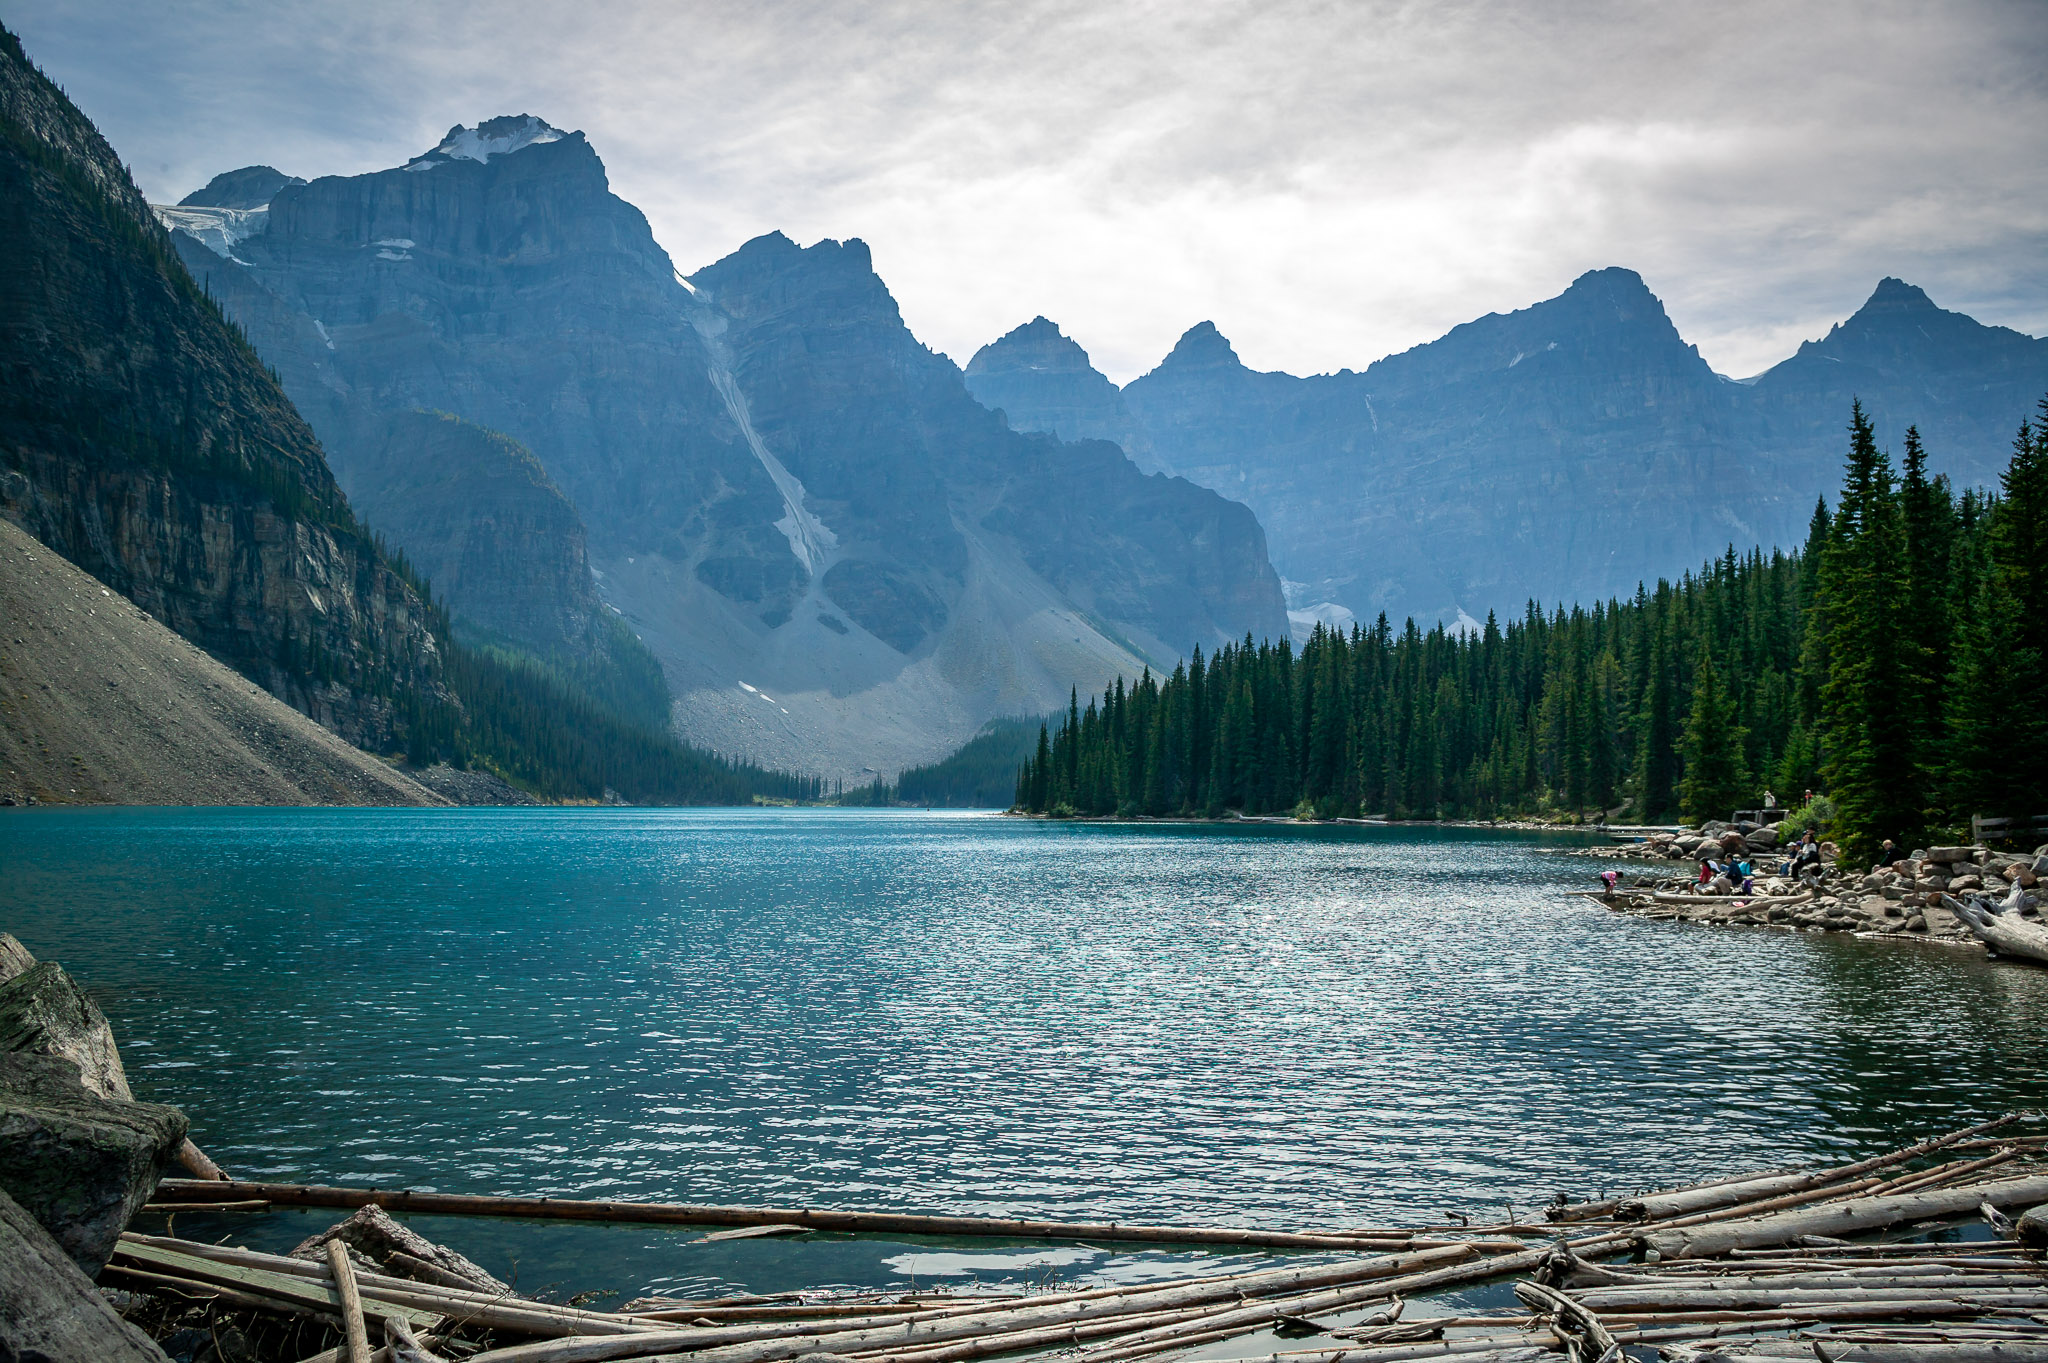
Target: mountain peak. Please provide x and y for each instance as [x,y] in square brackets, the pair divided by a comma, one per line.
[249,187]
[1896,295]
[1038,345]
[1615,284]
[493,137]
[1201,346]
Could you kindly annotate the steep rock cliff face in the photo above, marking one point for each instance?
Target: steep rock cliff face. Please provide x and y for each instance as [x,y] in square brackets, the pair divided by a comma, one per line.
[844,562]
[141,438]
[520,294]
[886,438]
[1565,451]
[492,533]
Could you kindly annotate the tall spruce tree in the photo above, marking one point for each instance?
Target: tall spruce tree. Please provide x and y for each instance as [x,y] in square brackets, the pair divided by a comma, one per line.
[1716,781]
[1873,761]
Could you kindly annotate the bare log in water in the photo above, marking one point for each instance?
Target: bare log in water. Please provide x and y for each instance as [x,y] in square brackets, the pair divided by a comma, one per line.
[1708,1196]
[1846,1351]
[925,1330]
[194,1159]
[2004,932]
[808,1218]
[1591,1342]
[1842,1218]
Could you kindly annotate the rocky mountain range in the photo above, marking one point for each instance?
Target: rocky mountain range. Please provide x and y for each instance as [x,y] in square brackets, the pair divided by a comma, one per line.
[1565,452]
[842,560]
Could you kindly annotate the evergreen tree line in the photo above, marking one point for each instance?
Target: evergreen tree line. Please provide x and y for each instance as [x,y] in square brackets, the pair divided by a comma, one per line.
[521,719]
[1895,662]
[978,775]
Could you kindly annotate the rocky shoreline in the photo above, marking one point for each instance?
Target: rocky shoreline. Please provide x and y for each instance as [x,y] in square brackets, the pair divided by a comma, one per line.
[1903,899]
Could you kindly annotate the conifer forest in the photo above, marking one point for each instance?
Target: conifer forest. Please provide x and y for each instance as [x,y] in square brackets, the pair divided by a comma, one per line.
[1895,662]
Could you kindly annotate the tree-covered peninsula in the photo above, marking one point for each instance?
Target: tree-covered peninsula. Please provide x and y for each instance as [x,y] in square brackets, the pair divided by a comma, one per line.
[1895,662]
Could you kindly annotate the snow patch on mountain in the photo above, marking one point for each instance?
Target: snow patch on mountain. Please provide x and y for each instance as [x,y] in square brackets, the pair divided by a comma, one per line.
[492,137]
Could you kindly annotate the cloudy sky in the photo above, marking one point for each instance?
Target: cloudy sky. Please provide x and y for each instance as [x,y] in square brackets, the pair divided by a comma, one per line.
[1328,182]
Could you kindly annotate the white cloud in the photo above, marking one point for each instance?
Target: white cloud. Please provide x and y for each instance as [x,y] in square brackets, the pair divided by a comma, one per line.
[1328,182]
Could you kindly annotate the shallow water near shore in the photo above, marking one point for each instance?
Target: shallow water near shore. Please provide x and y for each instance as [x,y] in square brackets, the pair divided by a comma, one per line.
[1310,1027]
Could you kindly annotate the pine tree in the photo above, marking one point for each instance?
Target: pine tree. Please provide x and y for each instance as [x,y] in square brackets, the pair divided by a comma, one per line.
[1928,513]
[2019,555]
[1041,772]
[1715,782]
[1873,767]
[1656,743]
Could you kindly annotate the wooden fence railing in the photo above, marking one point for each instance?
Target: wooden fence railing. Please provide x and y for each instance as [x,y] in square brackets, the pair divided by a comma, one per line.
[2027,828]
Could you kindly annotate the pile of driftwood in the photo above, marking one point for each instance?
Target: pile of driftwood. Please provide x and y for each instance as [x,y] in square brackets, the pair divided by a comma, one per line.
[1761,1266]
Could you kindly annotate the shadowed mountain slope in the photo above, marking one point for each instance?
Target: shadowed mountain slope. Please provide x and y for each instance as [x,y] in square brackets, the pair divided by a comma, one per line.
[141,438]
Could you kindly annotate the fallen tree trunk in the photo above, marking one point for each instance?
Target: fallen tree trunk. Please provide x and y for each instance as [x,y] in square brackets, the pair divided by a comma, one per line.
[355,1330]
[2005,933]
[1708,1196]
[930,1328]
[1591,1343]
[1639,1301]
[1842,1218]
[1855,1351]
[682,1214]
[1735,900]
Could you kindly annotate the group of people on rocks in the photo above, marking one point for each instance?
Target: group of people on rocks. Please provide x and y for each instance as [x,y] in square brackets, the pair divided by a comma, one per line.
[1733,876]
[1733,873]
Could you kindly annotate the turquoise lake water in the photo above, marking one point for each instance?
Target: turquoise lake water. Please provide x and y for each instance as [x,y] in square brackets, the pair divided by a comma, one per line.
[1259,1025]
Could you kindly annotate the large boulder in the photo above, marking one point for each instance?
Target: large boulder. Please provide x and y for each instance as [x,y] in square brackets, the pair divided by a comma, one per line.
[14,957]
[50,1312]
[2032,1229]
[44,1012]
[81,1164]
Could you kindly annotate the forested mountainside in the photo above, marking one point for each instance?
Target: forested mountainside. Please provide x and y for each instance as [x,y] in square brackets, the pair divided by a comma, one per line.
[1895,661]
[839,557]
[143,439]
[1575,447]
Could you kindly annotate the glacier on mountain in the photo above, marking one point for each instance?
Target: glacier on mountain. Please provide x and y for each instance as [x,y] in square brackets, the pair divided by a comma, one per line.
[218,228]
[492,137]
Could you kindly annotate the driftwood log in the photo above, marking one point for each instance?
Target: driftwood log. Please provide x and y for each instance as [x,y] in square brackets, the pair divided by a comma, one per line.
[757,1344]
[1750,901]
[2001,928]
[1858,1351]
[355,1330]
[1590,1341]
[809,1218]
[1842,1218]
[1732,1192]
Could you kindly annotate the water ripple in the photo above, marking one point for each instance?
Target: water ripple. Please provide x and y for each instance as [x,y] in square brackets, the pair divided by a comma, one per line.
[932,1012]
